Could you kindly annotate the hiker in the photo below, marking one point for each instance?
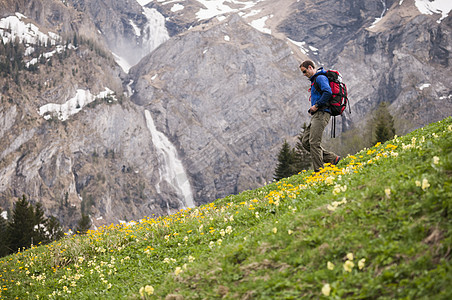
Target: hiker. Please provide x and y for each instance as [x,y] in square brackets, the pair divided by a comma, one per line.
[320,116]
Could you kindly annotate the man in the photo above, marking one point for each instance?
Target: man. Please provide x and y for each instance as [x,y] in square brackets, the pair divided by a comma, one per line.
[320,116]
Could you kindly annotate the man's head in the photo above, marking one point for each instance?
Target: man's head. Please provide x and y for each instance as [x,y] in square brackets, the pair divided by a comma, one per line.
[307,68]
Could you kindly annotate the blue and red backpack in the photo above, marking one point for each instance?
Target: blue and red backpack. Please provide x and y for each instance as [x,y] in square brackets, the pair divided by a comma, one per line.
[339,99]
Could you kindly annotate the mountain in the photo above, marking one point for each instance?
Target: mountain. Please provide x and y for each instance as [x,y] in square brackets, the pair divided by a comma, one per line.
[126,109]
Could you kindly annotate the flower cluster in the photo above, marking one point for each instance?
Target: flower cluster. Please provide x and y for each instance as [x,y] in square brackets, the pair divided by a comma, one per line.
[348,268]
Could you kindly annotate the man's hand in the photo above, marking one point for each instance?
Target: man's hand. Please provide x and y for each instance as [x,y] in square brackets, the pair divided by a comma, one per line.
[313,109]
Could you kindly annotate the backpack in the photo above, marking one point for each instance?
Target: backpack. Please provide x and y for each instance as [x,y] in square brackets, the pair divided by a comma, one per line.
[339,99]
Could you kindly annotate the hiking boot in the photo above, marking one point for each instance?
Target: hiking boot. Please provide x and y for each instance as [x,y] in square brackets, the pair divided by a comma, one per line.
[338,158]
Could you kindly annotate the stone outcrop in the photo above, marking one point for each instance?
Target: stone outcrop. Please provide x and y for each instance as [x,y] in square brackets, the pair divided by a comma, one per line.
[227,97]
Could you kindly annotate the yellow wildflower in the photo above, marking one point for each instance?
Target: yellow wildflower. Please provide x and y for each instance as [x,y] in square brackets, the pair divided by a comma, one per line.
[388,192]
[330,266]
[326,289]
[361,263]
[149,290]
[350,256]
[348,266]
[425,184]
[275,230]
[435,160]
[329,180]
[331,207]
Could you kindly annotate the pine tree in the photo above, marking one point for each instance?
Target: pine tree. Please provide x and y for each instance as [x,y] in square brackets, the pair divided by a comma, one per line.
[286,159]
[83,224]
[302,157]
[4,238]
[40,225]
[384,124]
[75,40]
[21,225]
[54,230]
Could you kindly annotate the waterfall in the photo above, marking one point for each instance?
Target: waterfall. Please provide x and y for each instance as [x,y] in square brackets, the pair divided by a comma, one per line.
[155,32]
[170,166]
[384,8]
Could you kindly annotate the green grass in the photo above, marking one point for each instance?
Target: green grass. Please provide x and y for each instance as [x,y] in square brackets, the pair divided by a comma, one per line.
[377,226]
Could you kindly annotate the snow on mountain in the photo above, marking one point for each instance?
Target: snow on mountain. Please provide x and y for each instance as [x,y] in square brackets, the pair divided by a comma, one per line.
[73,105]
[429,7]
[13,27]
[259,24]
[16,27]
[216,8]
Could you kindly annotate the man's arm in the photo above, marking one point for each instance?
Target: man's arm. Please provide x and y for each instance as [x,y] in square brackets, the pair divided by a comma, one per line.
[325,90]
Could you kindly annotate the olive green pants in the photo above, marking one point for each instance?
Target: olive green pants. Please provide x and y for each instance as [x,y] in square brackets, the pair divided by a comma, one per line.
[312,139]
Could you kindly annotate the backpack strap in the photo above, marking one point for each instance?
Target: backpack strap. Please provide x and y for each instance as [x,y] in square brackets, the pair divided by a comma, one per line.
[333,127]
[316,85]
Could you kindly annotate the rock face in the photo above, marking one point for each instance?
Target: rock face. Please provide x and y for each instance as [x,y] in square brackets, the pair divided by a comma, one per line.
[226,96]
[398,58]
[123,25]
[222,91]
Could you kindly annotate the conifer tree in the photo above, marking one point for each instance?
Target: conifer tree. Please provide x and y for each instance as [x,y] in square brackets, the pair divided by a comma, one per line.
[384,124]
[4,238]
[83,224]
[302,157]
[40,225]
[21,225]
[286,159]
[54,230]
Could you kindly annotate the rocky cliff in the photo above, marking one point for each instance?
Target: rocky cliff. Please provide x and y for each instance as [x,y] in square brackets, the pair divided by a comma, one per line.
[226,96]
[123,109]
[392,51]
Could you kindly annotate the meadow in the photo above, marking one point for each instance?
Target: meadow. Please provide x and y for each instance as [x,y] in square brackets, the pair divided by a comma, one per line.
[376,226]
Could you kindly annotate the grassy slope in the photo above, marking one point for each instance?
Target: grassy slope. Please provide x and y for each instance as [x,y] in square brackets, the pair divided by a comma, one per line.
[389,207]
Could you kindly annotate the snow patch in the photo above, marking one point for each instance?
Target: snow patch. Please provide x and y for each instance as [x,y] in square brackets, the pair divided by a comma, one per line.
[177,7]
[429,7]
[227,38]
[259,24]
[250,14]
[313,48]
[13,27]
[424,86]
[73,105]
[33,61]
[300,45]
[144,2]
[4,215]
[215,8]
